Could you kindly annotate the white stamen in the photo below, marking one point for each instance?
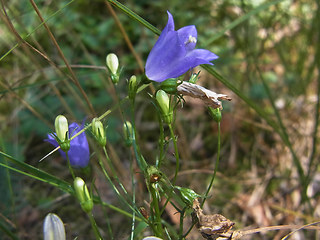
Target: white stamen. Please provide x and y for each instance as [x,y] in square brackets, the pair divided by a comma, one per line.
[191,40]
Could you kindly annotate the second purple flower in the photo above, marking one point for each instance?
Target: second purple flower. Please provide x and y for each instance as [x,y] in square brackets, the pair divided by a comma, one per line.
[79,148]
[174,53]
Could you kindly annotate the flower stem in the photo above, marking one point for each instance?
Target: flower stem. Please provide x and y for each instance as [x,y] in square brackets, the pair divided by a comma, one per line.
[161,144]
[215,168]
[134,202]
[155,203]
[176,152]
[112,184]
[113,171]
[94,226]
[69,166]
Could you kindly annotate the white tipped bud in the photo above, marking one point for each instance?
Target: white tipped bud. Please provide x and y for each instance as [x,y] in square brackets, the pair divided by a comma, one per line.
[164,104]
[98,131]
[83,195]
[53,228]
[128,133]
[62,128]
[112,63]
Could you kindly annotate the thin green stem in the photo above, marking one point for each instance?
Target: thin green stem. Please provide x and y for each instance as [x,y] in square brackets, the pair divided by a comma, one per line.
[69,166]
[176,152]
[8,177]
[284,135]
[216,166]
[94,226]
[161,144]
[134,16]
[157,214]
[132,207]
[111,183]
[142,164]
[113,171]
[119,210]
[177,167]
[105,213]
[317,107]
[181,224]
[133,201]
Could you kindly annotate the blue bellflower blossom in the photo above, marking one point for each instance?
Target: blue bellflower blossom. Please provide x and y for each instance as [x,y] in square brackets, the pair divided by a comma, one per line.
[79,148]
[174,53]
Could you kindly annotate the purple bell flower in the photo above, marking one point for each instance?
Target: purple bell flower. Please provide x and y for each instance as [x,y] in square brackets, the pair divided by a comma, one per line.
[174,53]
[79,148]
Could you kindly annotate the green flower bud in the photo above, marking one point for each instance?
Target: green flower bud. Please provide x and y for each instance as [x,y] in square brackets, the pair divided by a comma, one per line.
[170,85]
[83,195]
[98,132]
[62,128]
[53,228]
[132,87]
[128,133]
[188,195]
[164,104]
[112,63]
[215,114]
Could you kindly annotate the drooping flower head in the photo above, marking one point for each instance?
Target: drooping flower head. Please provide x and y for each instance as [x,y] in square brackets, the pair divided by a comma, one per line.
[174,53]
[79,148]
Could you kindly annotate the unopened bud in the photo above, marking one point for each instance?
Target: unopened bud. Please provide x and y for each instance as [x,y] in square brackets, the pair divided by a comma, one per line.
[132,87]
[83,195]
[128,133]
[215,114]
[187,195]
[98,132]
[112,63]
[62,127]
[53,228]
[164,103]
[62,132]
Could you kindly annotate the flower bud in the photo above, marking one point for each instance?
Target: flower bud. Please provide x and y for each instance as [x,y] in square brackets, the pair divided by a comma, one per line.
[187,195]
[83,195]
[132,87]
[112,63]
[164,104]
[53,228]
[128,133]
[62,128]
[98,132]
[152,238]
[215,114]
[62,132]
[170,85]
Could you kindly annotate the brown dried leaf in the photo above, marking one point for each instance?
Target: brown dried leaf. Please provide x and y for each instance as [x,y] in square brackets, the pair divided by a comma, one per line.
[210,98]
